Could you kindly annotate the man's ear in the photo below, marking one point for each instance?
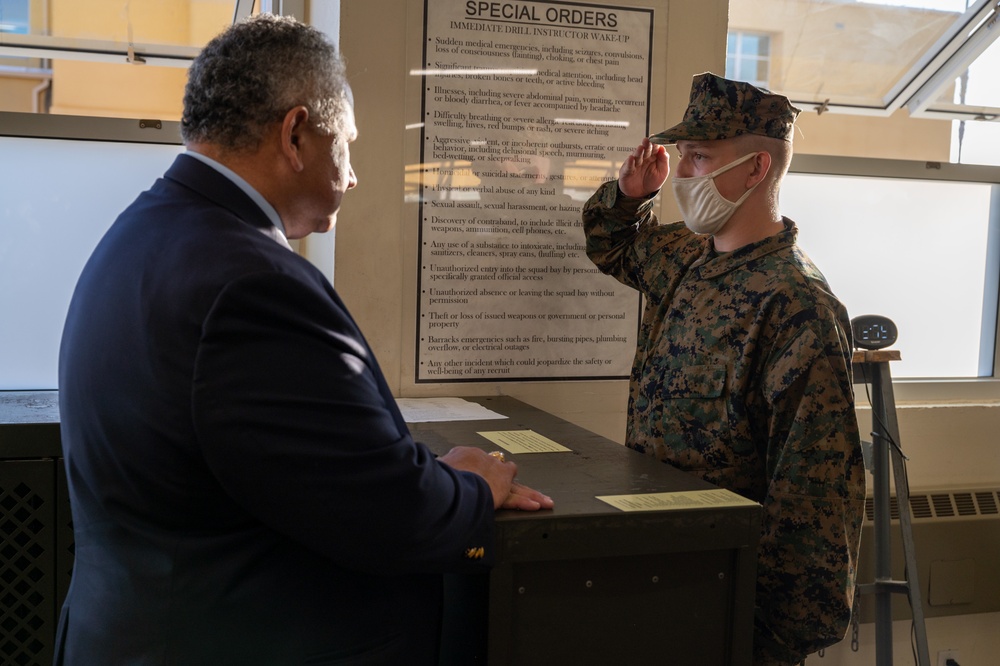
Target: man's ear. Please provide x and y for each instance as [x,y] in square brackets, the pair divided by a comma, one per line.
[761,165]
[293,126]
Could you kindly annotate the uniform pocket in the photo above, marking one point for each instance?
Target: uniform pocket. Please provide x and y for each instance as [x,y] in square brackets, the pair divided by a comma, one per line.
[695,381]
[694,416]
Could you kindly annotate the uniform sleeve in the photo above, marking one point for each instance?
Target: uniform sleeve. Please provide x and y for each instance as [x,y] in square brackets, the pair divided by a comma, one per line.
[625,241]
[612,224]
[815,500]
[294,421]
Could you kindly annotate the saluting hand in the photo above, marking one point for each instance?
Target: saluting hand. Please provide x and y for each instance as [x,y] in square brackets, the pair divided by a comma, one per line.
[645,170]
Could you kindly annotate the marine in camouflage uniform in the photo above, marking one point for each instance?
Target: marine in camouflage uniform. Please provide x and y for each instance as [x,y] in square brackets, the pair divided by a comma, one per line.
[742,376]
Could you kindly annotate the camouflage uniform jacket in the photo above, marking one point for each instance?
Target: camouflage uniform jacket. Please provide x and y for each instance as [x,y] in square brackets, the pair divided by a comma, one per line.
[742,376]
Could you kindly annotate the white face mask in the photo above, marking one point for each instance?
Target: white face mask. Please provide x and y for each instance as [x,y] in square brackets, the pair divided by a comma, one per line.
[705,211]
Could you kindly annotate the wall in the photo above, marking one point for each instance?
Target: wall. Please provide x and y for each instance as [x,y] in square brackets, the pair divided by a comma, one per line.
[18,93]
[865,136]
[376,269]
[375,265]
[950,444]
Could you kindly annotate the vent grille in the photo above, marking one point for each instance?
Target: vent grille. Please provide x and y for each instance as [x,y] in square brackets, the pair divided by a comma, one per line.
[25,609]
[965,505]
[920,506]
[942,505]
[954,504]
[987,504]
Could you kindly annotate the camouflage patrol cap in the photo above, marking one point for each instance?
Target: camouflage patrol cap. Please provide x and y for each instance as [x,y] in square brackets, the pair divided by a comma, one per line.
[721,109]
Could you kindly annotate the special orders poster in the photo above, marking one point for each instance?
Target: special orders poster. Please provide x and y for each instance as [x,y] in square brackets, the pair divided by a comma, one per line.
[527,108]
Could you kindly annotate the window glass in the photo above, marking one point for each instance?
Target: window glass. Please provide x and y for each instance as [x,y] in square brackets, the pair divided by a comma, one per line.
[913,250]
[976,141]
[57,198]
[174,22]
[14,21]
[118,90]
[14,16]
[103,57]
[849,52]
[978,85]
[747,57]
[856,69]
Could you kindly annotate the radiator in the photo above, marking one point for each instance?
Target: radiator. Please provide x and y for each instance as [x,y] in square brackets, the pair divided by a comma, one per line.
[956,536]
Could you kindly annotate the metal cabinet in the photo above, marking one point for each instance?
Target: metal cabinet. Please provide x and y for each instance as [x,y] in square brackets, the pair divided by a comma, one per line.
[36,532]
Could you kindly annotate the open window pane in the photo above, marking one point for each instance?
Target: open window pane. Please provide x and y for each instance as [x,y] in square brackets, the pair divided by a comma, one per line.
[915,251]
[899,59]
[977,86]
[847,52]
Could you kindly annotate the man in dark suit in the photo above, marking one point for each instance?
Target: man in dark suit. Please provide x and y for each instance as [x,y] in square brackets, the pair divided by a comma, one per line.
[244,489]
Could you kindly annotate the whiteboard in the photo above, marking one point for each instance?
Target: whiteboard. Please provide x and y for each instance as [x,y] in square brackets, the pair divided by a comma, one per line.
[57,198]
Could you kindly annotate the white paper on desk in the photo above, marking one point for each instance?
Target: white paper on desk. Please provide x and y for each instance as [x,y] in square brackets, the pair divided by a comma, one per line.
[691,499]
[418,410]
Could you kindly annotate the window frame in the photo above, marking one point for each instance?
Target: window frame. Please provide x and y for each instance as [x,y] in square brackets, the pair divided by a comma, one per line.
[91,128]
[931,390]
[739,58]
[95,50]
[918,89]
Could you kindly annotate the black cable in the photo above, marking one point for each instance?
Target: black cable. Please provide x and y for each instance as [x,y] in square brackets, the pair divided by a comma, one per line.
[879,422]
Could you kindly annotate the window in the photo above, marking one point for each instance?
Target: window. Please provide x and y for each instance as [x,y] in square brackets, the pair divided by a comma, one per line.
[899,60]
[895,184]
[43,184]
[83,58]
[916,244]
[14,16]
[14,20]
[748,57]
[67,162]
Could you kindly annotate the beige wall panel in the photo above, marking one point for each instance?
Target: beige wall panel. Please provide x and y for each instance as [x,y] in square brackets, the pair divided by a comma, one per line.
[896,138]
[149,22]
[17,93]
[207,18]
[948,446]
[123,91]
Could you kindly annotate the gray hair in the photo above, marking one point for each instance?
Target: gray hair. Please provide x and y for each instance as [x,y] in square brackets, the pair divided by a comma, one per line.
[253,73]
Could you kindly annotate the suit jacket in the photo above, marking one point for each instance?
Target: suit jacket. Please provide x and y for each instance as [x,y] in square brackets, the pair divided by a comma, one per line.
[243,487]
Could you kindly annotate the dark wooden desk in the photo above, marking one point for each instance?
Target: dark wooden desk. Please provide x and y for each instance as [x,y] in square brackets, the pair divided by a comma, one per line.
[582,584]
[587,583]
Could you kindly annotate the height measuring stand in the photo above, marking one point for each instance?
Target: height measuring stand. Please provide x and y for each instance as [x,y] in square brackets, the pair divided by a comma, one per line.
[873,367]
